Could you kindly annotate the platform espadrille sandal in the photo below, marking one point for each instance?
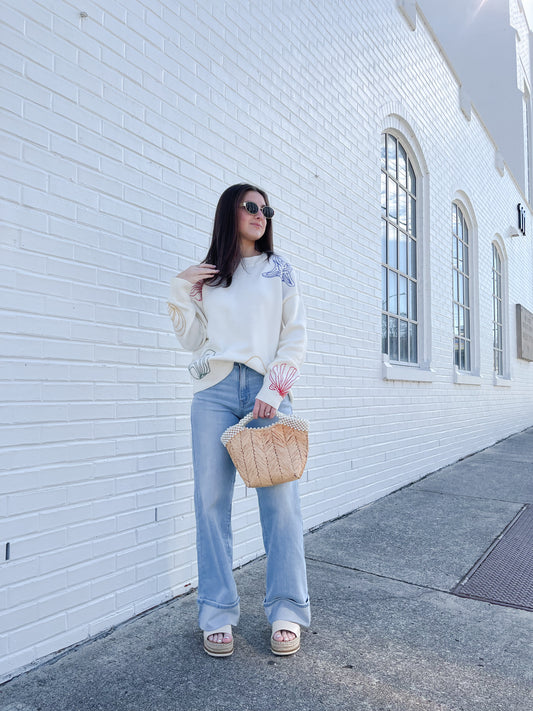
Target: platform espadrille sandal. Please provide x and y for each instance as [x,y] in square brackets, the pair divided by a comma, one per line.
[281,648]
[219,649]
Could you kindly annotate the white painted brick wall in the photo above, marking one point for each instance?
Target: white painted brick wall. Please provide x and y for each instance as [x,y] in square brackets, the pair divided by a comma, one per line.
[118,133]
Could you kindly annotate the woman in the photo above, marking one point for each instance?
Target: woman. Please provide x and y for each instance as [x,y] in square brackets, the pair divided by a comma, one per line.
[241,315]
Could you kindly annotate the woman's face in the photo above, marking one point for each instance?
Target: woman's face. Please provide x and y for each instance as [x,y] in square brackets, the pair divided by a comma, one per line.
[251,228]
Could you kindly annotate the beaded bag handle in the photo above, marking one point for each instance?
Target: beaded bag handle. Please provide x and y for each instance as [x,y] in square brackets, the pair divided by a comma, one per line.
[297,423]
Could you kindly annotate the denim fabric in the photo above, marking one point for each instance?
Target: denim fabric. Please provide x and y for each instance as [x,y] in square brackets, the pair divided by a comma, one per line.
[213,410]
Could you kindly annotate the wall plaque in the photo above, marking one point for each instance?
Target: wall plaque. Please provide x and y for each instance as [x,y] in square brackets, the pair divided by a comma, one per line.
[524,333]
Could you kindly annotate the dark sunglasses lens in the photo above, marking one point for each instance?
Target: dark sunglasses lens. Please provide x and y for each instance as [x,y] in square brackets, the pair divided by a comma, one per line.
[252,208]
[267,211]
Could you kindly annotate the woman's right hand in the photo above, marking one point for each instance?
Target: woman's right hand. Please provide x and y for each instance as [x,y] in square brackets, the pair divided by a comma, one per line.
[198,272]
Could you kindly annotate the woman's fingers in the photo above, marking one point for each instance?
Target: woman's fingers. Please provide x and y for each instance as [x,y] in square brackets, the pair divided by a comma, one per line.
[263,409]
[198,272]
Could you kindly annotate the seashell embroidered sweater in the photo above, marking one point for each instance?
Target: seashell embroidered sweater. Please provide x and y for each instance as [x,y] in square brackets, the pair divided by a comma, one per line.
[259,320]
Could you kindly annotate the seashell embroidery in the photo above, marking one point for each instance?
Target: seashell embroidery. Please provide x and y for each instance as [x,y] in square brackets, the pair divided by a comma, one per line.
[200,368]
[178,319]
[196,291]
[281,269]
[282,378]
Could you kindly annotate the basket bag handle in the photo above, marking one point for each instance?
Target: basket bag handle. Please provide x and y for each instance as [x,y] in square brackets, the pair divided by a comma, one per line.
[298,423]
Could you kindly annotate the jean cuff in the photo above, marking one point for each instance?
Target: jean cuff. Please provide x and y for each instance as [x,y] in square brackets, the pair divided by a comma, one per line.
[290,610]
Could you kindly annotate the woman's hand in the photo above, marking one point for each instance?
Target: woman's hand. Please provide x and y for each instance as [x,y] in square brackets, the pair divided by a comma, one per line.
[263,409]
[198,272]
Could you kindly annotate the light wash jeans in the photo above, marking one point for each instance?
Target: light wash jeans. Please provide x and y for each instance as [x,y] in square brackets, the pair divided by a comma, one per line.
[213,410]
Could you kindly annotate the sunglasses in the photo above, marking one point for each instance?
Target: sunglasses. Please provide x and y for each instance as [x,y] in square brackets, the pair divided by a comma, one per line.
[253,208]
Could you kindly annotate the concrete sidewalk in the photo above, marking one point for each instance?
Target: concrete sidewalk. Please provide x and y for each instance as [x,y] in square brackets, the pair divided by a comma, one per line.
[386,631]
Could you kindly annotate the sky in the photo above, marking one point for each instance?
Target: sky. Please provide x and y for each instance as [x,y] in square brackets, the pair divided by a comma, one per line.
[528,8]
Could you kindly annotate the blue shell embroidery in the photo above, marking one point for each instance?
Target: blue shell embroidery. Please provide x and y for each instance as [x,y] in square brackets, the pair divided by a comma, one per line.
[281,269]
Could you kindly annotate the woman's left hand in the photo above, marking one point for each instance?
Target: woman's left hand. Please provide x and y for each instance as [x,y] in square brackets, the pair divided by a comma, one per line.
[263,409]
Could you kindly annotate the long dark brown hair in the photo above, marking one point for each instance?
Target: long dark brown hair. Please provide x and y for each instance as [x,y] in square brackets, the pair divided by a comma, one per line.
[225,251]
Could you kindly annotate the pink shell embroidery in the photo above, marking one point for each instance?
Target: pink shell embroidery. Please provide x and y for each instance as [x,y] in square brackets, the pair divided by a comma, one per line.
[282,378]
[196,291]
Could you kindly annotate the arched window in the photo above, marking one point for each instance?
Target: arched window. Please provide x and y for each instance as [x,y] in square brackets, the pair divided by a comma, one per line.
[497,311]
[399,320]
[462,339]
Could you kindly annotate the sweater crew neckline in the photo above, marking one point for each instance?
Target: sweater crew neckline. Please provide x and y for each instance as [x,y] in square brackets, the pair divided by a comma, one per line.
[255,257]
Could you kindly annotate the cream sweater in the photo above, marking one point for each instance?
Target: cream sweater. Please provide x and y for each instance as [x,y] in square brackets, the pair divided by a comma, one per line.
[259,320]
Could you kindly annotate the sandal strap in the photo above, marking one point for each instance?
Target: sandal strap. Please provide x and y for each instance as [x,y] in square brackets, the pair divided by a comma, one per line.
[279,625]
[221,630]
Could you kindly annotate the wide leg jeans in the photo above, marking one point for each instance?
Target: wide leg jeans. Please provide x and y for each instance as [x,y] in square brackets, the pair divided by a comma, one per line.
[213,410]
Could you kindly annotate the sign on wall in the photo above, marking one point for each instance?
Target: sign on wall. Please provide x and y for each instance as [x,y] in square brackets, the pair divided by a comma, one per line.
[524,333]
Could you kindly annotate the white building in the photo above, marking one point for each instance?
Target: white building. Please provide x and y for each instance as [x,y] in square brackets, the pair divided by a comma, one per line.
[121,125]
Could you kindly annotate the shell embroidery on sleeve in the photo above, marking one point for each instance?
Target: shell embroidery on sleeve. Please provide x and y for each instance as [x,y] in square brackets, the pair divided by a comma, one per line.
[196,291]
[282,378]
[281,269]
[178,319]
[200,368]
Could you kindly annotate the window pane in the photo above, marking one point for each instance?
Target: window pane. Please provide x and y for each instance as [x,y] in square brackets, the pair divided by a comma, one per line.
[403,296]
[391,155]
[412,301]
[455,287]
[384,152]
[383,192]
[404,345]
[467,355]
[456,351]
[467,322]
[462,361]
[383,289]
[393,292]
[412,258]
[459,225]
[461,321]
[402,165]
[402,250]
[413,343]
[402,208]
[383,241]
[412,217]
[392,249]
[411,180]
[393,338]
[392,204]
[499,338]
[460,264]
[466,282]
[384,339]
[460,289]
[466,268]
[465,232]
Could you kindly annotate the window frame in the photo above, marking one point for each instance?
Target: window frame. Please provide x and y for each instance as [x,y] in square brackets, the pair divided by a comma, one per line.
[461,290]
[472,376]
[497,312]
[397,120]
[399,269]
[504,378]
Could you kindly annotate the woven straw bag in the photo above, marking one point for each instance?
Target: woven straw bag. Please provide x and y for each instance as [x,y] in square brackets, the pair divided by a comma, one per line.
[270,455]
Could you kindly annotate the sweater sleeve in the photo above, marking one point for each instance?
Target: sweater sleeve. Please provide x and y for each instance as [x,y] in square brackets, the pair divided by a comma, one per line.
[284,370]
[188,319]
